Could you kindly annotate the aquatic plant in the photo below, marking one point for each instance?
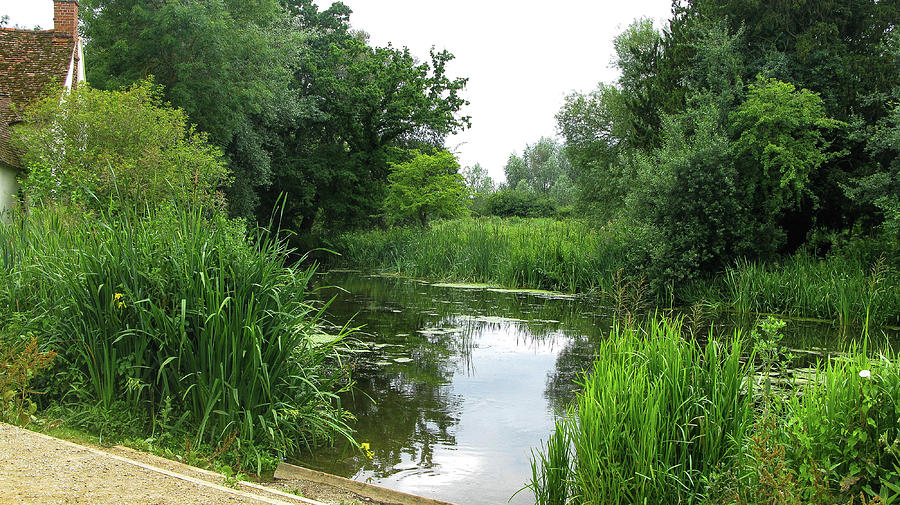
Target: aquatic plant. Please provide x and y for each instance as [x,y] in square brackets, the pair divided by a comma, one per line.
[847,286]
[175,305]
[845,426]
[567,255]
[654,417]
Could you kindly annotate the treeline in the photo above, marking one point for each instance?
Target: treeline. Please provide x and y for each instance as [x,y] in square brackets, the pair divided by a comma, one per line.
[300,103]
[538,184]
[743,130]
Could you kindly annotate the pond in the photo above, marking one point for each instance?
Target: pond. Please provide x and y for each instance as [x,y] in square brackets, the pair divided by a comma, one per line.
[455,385]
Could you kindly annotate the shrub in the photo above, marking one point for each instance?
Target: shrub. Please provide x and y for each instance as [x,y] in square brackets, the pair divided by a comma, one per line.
[845,429]
[20,362]
[114,149]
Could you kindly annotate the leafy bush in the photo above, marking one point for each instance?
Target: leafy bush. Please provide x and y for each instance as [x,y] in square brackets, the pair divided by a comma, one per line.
[20,362]
[516,203]
[423,188]
[845,429]
[114,149]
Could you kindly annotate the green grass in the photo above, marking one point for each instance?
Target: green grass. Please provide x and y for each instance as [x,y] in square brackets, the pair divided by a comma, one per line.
[859,280]
[192,325]
[522,253]
[655,416]
[847,286]
[661,419]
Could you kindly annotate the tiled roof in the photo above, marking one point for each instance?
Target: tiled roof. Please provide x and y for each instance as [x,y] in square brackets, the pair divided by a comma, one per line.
[31,62]
[7,155]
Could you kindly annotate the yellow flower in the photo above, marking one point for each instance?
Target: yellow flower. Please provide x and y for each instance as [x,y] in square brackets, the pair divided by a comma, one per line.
[119,299]
[367,449]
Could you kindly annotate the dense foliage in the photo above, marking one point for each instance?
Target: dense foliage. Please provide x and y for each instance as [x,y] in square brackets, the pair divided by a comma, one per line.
[193,327]
[654,419]
[663,419]
[429,186]
[301,104]
[740,129]
[853,284]
[112,149]
[228,64]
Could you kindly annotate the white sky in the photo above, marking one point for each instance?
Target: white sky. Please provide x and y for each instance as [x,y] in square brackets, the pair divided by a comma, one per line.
[522,57]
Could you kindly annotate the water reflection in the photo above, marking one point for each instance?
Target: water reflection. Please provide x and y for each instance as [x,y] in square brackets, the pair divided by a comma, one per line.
[455,386]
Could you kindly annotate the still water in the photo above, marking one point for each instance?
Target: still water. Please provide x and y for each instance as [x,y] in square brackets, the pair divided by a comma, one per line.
[455,386]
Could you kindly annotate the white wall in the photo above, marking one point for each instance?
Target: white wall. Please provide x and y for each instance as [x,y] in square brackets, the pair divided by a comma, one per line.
[8,188]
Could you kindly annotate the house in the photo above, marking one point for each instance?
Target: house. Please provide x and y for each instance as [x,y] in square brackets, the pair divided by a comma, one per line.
[32,61]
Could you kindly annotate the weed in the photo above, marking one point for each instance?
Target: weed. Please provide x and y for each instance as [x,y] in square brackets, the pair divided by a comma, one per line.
[19,364]
[175,305]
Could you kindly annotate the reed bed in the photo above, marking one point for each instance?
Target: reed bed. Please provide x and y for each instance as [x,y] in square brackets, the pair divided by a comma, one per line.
[566,255]
[855,282]
[662,419]
[173,313]
[847,287]
[656,416]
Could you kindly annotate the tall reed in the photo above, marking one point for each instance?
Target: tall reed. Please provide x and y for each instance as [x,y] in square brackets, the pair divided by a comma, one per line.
[533,253]
[845,287]
[655,415]
[177,308]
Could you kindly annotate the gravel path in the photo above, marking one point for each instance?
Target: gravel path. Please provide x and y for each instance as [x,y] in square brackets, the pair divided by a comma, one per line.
[37,469]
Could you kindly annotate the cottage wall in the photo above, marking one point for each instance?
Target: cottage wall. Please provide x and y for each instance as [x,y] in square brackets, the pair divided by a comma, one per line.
[9,188]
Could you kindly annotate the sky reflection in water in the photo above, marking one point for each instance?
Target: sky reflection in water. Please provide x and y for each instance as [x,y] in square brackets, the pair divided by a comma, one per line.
[456,386]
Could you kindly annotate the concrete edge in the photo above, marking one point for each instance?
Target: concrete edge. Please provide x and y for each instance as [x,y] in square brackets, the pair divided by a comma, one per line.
[193,480]
[286,471]
[213,475]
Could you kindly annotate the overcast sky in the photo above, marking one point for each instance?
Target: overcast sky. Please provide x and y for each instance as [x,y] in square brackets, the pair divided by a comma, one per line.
[521,57]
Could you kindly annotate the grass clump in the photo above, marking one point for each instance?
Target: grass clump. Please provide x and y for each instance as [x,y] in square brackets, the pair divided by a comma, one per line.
[847,286]
[655,417]
[660,419]
[543,253]
[188,324]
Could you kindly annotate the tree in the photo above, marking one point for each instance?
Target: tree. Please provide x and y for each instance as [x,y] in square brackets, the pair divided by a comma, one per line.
[478,180]
[779,146]
[116,150]
[881,189]
[426,187]
[540,165]
[480,186]
[227,63]
[371,105]
[684,202]
[596,131]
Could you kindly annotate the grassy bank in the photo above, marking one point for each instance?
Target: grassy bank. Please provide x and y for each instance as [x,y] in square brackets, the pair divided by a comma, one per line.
[185,329]
[662,419]
[857,281]
[538,253]
[851,283]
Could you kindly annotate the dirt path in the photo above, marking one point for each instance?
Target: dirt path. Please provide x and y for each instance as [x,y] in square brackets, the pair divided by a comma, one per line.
[37,469]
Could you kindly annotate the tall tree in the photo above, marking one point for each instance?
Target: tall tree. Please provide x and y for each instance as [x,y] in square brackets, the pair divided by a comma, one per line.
[370,105]
[227,63]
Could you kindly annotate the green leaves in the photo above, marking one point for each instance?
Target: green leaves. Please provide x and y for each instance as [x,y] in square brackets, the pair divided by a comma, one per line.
[213,319]
[115,150]
[227,63]
[781,130]
[426,187]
